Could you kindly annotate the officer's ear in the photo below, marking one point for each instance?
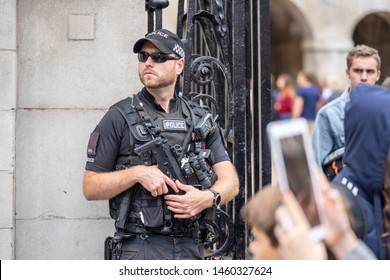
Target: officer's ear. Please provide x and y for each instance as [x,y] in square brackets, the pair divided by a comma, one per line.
[179,66]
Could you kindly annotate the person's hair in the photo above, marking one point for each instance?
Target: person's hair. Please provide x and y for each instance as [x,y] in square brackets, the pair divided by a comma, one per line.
[334,83]
[386,206]
[260,210]
[363,51]
[313,79]
[289,88]
[287,78]
[386,83]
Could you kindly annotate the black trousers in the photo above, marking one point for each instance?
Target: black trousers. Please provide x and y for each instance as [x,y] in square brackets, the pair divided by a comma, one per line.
[154,246]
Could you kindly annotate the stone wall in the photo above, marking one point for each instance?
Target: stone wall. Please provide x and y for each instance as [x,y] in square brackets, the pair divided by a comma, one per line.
[8,74]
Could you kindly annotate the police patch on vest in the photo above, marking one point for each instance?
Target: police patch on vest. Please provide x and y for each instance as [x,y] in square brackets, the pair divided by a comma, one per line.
[175,125]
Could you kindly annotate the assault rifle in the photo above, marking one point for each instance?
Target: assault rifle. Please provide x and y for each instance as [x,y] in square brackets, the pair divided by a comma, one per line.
[164,156]
[196,171]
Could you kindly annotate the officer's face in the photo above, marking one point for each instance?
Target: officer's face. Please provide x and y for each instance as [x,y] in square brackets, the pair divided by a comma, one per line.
[155,75]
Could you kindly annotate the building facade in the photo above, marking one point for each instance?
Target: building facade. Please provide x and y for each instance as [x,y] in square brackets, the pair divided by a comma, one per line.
[63,63]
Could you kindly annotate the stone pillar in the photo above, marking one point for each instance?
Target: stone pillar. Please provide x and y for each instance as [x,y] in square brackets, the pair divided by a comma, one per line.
[326,57]
[7,127]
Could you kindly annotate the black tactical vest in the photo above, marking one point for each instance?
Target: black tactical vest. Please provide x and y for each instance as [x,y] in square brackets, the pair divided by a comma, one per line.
[145,123]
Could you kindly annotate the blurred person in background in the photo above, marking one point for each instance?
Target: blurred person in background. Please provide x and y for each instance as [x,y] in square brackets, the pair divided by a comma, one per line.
[307,98]
[335,85]
[292,230]
[386,83]
[286,95]
[259,213]
[268,209]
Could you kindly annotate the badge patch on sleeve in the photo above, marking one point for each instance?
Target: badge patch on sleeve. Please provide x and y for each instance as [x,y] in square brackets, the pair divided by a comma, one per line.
[92,144]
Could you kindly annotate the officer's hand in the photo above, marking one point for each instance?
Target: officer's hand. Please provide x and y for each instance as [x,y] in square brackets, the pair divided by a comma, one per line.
[189,204]
[156,182]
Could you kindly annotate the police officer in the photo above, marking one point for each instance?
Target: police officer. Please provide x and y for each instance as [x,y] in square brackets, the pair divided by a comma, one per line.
[157,110]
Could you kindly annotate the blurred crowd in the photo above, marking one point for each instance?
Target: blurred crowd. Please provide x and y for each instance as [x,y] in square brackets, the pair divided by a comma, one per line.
[349,125]
[302,96]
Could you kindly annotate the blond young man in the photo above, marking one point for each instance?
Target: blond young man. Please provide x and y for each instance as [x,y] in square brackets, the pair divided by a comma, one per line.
[363,66]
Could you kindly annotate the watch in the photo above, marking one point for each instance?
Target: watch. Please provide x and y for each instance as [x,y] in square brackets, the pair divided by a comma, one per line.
[217,197]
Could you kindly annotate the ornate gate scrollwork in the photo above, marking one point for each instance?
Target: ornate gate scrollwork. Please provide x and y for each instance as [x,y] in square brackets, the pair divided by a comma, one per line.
[206,71]
[228,71]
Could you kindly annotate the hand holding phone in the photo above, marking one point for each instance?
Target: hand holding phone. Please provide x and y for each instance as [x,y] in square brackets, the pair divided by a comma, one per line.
[296,243]
[293,159]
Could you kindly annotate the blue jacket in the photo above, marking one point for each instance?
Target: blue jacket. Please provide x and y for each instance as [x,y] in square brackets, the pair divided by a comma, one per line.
[367,142]
[328,133]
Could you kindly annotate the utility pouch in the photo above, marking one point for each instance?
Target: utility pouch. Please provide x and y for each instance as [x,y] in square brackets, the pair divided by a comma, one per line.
[204,126]
[210,213]
[152,210]
[109,245]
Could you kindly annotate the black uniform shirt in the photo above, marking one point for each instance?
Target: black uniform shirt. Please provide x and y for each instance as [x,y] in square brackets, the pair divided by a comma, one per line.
[110,139]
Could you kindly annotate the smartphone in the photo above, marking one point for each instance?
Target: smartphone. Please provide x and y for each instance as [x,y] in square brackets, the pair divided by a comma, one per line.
[293,158]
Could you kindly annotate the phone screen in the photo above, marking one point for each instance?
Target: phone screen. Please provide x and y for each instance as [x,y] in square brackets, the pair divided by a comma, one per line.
[298,175]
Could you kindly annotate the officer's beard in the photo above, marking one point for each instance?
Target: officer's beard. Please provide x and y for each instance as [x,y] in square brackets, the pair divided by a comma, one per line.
[157,82]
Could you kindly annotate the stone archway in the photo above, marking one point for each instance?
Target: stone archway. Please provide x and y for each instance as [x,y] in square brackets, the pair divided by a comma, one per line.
[288,30]
[371,30]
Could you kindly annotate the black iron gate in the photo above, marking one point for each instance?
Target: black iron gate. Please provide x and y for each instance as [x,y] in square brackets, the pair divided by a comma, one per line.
[229,43]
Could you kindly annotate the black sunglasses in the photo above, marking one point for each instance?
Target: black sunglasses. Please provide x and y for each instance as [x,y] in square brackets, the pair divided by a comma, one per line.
[156,57]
